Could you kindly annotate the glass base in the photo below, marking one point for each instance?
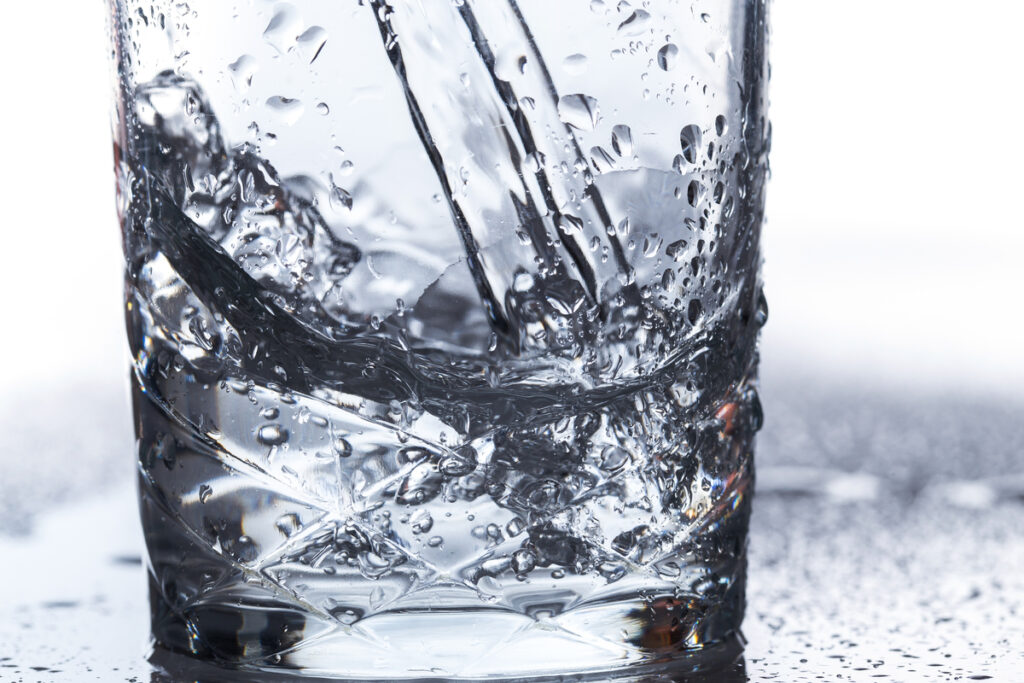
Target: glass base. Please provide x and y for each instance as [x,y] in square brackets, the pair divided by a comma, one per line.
[605,642]
[720,663]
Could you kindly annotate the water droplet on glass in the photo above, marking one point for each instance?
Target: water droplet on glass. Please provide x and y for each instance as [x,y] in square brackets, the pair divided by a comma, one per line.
[242,70]
[601,160]
[667,56]
[694,193]
[272,435]
[340,198]
[652,244]
[677,250]
[283,29]
[718,192]
[579,111]
[534,161]
[287,109]
[668,279]
[622,140]
[690,141]
[311,42]
[575,64]
[376,597]
[635,24]
[435,541]
[693,311]
[205,492]
[721,126]
[570,224]
[761,315]
[323,109]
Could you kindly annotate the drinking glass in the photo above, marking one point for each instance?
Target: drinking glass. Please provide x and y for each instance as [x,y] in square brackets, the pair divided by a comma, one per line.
[443,318]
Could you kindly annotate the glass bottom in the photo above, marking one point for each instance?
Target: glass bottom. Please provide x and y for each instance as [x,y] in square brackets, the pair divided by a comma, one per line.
[471,646]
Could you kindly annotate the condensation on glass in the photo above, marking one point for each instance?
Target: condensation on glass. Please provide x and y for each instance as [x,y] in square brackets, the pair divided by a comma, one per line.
[443,316]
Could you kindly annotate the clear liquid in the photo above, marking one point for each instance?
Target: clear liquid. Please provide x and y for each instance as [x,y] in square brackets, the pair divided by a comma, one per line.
[538,459]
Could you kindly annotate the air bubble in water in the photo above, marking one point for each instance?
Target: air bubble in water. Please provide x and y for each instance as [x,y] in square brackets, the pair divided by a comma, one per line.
[288,524]
[523,561]
[421,485]
[613,458]
[579,111]
[272,435]
[342,447]
[455,466]
[421,522]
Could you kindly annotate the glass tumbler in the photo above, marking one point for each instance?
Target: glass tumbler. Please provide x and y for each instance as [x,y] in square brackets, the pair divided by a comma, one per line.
[443,318]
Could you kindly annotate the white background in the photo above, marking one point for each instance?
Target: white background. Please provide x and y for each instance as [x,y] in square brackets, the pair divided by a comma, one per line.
[895,231]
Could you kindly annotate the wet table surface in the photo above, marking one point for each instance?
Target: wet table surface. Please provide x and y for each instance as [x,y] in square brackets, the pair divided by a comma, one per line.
[887,540]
